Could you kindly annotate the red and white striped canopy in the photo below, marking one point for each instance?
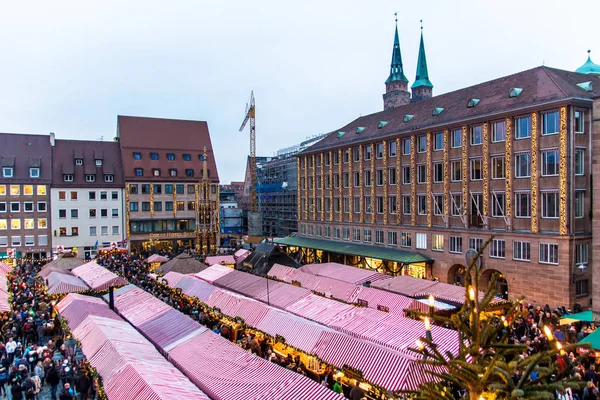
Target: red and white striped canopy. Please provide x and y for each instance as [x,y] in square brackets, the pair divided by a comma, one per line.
[60,283]
[76,308]
[345,273]
[195,287]
[4,303]
[5,268]
[155,258]
[219,260]
[241,254]
[50,269]
[172,277]
[98,277]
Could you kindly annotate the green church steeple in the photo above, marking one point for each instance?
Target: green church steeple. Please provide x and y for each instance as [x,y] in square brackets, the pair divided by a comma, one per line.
[396,70]
[422,88]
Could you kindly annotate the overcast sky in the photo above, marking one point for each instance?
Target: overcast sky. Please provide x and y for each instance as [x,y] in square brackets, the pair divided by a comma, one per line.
[314,65]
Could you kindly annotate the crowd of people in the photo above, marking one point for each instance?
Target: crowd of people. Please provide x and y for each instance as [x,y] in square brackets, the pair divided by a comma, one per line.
[34,359]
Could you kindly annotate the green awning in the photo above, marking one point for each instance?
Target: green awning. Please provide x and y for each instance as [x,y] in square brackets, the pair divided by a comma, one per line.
[353,249]
[593,339]
[585,316]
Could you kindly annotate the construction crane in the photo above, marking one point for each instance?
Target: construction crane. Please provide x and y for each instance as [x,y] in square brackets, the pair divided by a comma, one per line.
[250,116]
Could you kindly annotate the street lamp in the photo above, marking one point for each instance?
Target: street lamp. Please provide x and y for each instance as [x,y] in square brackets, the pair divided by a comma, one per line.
[71,345]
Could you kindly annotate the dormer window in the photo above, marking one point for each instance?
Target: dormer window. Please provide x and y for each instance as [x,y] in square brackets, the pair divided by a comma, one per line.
[7,172]
[90,178]
[340,134]
[98,163]
[34,172]
[587,86]
[437,111]
[360,129]
[472,103]
[79,161]
[68,178]
[155,171]
[381,124]
[137,156]
[514,92]
[407,117]
[154,156]
[109,178]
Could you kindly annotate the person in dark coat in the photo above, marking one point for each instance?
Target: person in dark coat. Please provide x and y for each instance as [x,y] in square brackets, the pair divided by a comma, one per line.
[53,378]
[356,393]
[15,390]
[83,385]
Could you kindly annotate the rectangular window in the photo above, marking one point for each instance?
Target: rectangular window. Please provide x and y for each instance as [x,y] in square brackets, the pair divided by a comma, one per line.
[523,128]
[476,170]
[579,162]
[421,173]
[406,205]
[180,206]
[438,172]
[406,175]
[437,242]
[345,233]
[367,153]
[34,172]
[188,157]
[355,179]
[42,240]
[582,287]
[356,234]
[579,122]
[476,135]
[379,177]
[438,204]
[498,167]
[133,206]
[456,244]
[523,165]
[345,155]
[475,243]
[581,254]
[2,190]
[3,207]
[41,190]
[139,171]
[392,204]
[356,205]
[421,144]
[104,212]
[104,195]
[15,224]
[391,149]
[368,208]
[367,178]
[3,241]
[456,171]
[548,253]
[74,231]
[499,131]
[422,241]
[168,206]
[379,237]
[550,162]
[379,202]
[155,171]
[29,223]
[551,123]
[327,204]
[422,204]
[406,240]
[392,176]
[438,141]
[336,158]
[115,212]
[498,248]
[336,204]
[93,212]
[74,213]
[104,230]
[392,238]
[145,206]
[7,172]
[28,190]
[28,206]
[15,206]
[406,146]
[336,180]
[42,223]
[379,150]
[456,138]
[498,204]
[367,235]
[346,205]
[579,203]
[522,204]
[179,189]
[15,241]
[456,205]
[173,172]
[115,230]
[3,224]
[521,251]
[326,231]
[154,156]
[15,190]
[550,204]
[327,182]
[137,156]
[92,195]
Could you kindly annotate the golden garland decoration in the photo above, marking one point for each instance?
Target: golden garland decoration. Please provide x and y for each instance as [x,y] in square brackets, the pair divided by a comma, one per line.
[413,186]
[350,184]
[322,200]
[127,211]
[465,192]
[563,171]
[384,173]
[534,174]
[360,185]
[508,169]
[372,183]
[299,190]
[485,172]
[398,184]
[152,200]
[314,188]
[446,175]
[428,181]
[340,185]
[331,186]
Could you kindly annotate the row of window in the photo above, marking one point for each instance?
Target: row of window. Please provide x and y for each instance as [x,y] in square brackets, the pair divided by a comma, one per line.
[550,126]
[170,156]
[522,204]
[166,225]
[548,252]
[15,241]
[93,213]
[28,190]
[550,164]
[27,223]
[27,206]
[145,188]
[97,161]
[74,195]
[134,206]
[9,172]
[156,172]
[63,231]
[90,178]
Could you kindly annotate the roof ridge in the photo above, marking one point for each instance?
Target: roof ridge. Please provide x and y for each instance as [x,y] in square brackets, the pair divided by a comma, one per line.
[545,69]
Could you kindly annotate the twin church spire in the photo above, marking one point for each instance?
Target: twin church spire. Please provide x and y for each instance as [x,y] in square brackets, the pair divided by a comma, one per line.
[396,85]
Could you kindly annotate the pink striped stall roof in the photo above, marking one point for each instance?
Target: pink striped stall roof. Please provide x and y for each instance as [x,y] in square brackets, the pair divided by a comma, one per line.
[298,332]
[282,295]
[213,273]
[138,306]
[4,303]
[220,260]
[5,268]
[48,270]
[98,277]
[59,283]
[396,303]
[172,277]
[345,273]
[226,372]
[241,255]
[244,283]
[76,308]
[446,292]
[129,365]
[169,327]
[319,309]
[236,305]
[155,258]
[281,272]
[195,287]
[404,285]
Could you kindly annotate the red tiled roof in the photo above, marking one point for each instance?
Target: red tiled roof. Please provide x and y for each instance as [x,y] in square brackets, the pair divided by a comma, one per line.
[160,135]
[540,85]
[17,151]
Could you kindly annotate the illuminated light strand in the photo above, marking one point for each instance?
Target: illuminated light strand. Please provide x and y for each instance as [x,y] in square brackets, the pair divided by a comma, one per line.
[314,189]
[360,185]
[446,176]
[385,192]
[331,186]
[563,172]
[398,184]
[340,184]
[413,187]
[485,170]
[372,183]
[508,169]
[428,179]
[350,184]
[465,192]
[322,200]
[534,173]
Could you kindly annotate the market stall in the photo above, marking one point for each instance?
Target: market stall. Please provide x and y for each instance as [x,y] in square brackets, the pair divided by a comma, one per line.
[97,277]
[155,261]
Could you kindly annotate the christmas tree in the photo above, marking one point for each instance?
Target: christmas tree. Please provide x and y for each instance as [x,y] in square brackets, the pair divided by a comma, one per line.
[488,365]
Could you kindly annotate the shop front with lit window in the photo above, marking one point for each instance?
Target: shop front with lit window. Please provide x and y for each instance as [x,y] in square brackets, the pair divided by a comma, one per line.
[162,235]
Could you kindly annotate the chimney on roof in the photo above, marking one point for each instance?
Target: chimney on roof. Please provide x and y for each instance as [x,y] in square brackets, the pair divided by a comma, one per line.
[52,139]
